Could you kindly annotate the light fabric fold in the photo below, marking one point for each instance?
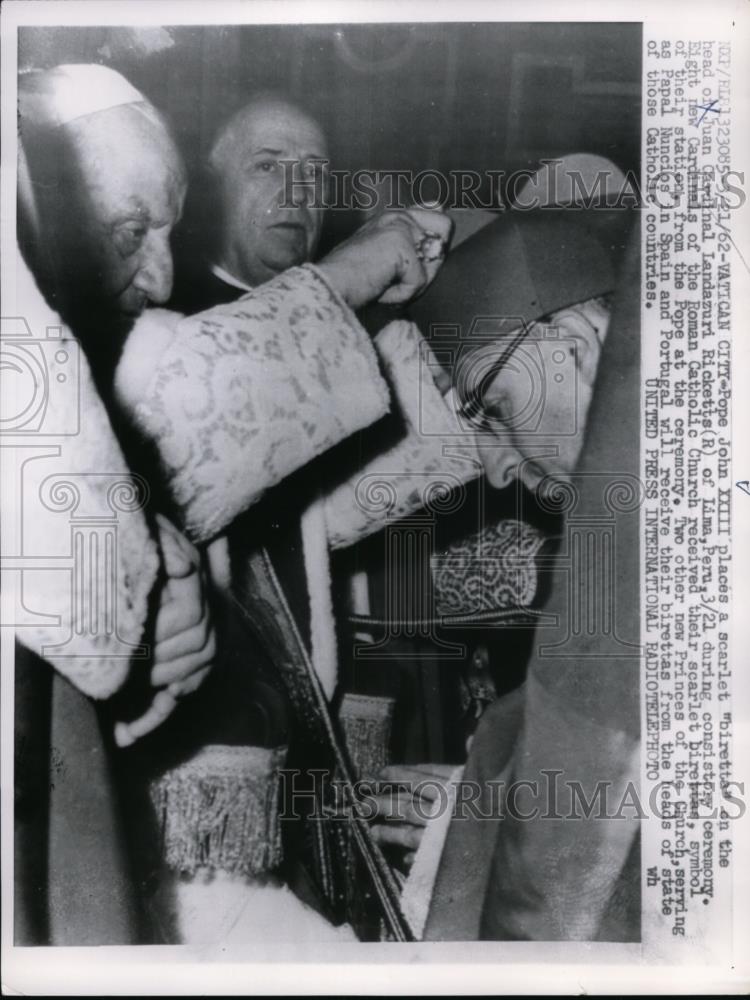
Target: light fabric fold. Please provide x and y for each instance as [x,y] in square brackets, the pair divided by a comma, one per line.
[570,863]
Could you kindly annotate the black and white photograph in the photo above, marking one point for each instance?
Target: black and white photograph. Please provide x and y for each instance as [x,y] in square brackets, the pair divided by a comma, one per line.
[365,442]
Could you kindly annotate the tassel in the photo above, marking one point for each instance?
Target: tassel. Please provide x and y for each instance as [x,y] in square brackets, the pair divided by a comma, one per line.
[366,723]
[220,810]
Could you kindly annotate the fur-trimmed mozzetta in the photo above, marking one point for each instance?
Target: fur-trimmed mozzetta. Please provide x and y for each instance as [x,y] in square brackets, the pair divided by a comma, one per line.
[87,561]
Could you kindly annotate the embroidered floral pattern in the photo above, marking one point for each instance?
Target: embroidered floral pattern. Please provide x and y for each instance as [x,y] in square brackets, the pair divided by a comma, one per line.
[491,569]
[248,392]
[426,467]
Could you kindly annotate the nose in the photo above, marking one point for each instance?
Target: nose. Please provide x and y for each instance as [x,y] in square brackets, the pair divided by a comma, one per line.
[502,467]
[303,194]
[154,277]
[500,460]
[304,190]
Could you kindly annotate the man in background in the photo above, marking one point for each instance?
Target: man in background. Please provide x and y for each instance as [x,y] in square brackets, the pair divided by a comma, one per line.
[262,205]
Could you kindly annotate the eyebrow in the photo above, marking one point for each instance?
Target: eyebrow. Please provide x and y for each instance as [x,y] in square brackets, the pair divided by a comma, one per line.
[280,152]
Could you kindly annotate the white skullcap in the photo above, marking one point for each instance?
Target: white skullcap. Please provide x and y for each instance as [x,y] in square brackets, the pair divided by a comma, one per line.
[52,97]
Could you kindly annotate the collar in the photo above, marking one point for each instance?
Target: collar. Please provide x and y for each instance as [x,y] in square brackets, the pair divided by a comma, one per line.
[230,279]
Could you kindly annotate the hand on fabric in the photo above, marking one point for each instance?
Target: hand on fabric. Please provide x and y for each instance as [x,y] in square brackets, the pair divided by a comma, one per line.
[392,258]
[407,797]
[184,636]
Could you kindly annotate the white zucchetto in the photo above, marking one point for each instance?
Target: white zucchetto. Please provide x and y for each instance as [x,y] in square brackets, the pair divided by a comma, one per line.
[53,97]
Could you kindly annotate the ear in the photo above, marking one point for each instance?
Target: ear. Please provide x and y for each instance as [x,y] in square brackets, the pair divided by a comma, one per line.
[588,342]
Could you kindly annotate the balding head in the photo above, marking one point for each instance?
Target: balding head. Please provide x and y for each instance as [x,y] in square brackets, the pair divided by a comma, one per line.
[262,231]
[129,190]
[109,184]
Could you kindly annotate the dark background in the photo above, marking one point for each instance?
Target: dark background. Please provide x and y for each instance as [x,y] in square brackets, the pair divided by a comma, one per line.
[480,96]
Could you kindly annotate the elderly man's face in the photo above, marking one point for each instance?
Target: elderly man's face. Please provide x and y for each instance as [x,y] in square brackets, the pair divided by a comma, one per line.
[263,232]
[552,447]
[129,194]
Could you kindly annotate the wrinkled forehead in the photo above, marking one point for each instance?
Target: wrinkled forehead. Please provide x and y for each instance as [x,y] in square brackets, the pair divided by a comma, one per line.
[588,321]
[124,156]
[279,127]
[584,320]
[523,351]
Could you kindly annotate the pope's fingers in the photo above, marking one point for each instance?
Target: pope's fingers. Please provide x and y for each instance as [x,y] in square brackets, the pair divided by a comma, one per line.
[433,244]
[191,684]
[183,605]
[427,231]
[419,221]
[177,562]
[183,666]
[412,278]
[126,733]
[403,223]
[180,555]
[432,220]
[399,217]
[174,618]
[188,639]
[423,236]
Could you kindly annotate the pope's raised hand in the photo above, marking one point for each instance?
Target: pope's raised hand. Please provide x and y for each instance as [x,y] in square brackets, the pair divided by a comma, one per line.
[392,258]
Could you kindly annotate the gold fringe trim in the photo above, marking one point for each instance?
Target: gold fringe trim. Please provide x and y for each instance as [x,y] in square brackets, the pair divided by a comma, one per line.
[220,810]
[366,722]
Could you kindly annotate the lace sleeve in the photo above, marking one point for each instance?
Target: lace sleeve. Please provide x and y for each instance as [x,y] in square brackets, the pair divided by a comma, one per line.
[430,461]
[248,392]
